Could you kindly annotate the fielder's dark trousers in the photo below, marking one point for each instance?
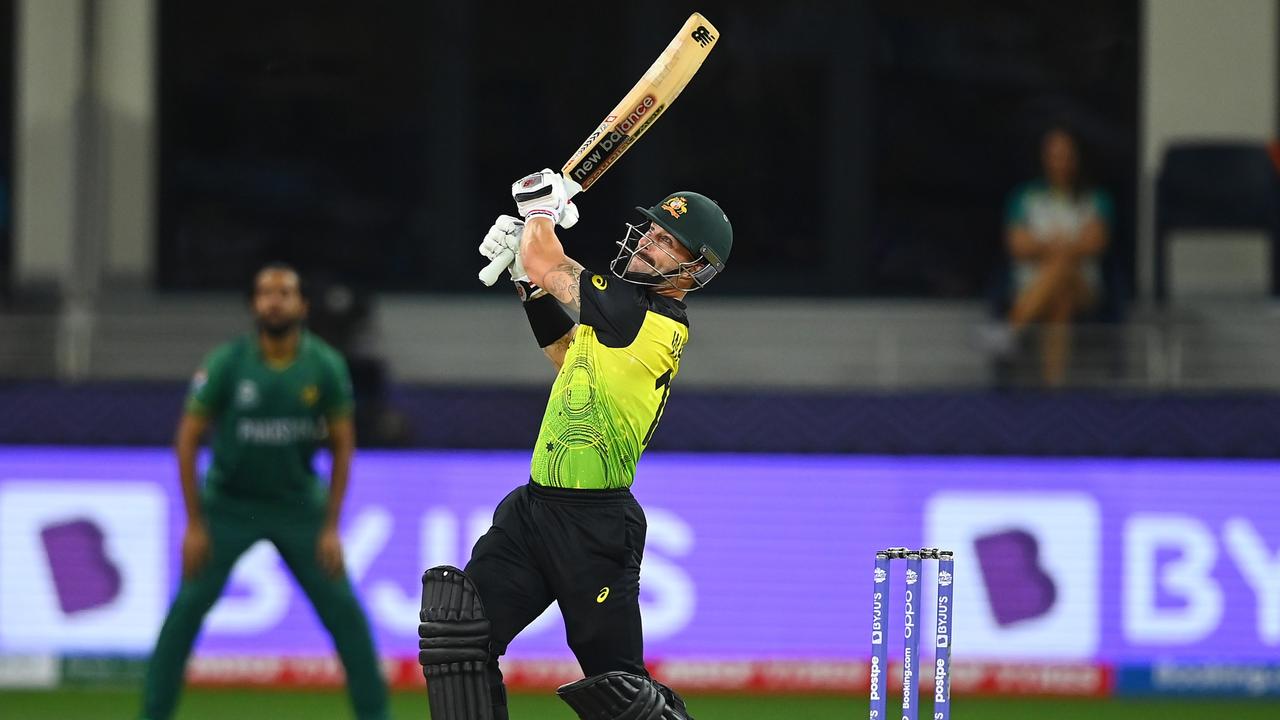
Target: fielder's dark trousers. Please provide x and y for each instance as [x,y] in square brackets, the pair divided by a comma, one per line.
[579,547]
[235,524]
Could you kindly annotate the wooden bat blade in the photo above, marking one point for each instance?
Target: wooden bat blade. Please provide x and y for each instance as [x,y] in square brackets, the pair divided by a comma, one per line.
[659,87]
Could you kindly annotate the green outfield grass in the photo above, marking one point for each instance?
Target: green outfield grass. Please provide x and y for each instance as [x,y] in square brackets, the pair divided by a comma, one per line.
[84,704]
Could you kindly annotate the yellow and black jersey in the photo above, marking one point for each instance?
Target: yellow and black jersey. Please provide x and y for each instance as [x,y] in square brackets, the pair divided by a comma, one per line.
[607,399]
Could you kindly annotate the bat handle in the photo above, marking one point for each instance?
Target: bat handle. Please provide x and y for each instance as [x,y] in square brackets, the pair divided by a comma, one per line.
[491,272]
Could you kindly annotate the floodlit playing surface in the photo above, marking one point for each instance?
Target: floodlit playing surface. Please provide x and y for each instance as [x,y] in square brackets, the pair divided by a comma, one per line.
[251,705]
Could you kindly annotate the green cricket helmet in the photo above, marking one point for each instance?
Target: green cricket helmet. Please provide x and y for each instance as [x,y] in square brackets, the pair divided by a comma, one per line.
[698,223]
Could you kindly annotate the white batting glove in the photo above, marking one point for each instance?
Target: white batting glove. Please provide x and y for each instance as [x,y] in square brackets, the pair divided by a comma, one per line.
[504,237]
[546,194]
[569,217]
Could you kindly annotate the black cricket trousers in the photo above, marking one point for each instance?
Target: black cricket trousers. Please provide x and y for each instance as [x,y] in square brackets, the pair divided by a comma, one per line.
[581,548]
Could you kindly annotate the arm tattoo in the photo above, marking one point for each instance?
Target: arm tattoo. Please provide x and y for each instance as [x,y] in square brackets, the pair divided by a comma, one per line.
[564,281]
[557,350]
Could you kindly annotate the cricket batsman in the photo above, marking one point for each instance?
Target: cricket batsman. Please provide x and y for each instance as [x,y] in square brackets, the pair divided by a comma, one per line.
[272,398]
[574,533]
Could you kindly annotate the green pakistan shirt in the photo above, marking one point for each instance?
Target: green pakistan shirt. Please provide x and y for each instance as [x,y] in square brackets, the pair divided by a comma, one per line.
[268,420]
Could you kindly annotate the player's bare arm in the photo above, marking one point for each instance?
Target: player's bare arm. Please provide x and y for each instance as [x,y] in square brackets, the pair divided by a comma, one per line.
[557,350]
[342,443]
[191,429]
[553,329]
[547,265]
[195,541]
[540,248]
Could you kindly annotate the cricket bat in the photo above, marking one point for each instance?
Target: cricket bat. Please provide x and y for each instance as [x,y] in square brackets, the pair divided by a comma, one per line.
[632,117]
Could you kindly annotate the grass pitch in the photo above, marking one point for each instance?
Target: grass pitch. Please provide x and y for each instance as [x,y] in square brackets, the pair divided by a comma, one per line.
[120,704]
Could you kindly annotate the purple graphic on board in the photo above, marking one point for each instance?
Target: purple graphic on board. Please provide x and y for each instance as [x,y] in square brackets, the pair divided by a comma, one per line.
[1018,587]
[719,527]
[83,575]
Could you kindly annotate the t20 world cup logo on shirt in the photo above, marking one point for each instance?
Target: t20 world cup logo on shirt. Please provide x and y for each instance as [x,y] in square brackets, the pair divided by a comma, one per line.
[246,394]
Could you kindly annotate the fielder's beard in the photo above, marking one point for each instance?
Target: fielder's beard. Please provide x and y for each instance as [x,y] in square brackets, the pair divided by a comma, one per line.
[278,329]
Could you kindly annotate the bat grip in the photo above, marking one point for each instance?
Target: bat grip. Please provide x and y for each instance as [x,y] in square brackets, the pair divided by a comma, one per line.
[491,272]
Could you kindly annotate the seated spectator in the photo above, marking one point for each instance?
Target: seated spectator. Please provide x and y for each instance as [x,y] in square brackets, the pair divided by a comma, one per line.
[1056,229]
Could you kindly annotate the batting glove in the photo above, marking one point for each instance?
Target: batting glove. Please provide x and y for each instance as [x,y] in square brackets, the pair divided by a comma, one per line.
[546,194]
[504,236]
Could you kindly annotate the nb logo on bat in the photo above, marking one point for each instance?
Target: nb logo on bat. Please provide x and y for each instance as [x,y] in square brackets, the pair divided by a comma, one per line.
[702,35]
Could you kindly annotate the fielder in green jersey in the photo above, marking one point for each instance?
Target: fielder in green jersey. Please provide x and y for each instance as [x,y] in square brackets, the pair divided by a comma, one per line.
[272,399]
